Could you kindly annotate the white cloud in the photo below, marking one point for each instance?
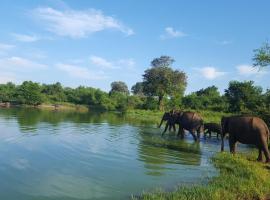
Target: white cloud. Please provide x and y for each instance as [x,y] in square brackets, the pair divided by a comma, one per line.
[102,62]
[77,24]
[248,70]
[211,72]
[127,63]
[20,63]
[171,33]
[6,47]
[80,72]
[25,38]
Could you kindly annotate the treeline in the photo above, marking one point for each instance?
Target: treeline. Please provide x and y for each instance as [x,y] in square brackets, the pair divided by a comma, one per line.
[239,97]
[161,88]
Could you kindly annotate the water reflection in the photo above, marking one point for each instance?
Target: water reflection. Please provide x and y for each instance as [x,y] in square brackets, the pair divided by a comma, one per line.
[157,152]
[65,155]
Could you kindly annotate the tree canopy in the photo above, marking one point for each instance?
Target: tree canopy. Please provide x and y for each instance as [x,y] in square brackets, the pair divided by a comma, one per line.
[119,86]
[137,89]
[243,96]
[161,80]
[262,56]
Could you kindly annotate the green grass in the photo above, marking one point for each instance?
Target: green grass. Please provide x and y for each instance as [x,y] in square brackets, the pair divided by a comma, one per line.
[240,177]
[155,116]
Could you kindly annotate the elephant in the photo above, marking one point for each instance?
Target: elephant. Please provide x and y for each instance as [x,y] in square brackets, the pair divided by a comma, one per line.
[212,127]
[246,130]
[169,117]
[190,121]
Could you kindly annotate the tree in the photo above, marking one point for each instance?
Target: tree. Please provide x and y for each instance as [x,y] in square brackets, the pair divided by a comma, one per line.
[243,96]
[137,89]
[162,61]
[119,86]
[262,56]
[29,93]
[7,92]
[54,92]
[161,80]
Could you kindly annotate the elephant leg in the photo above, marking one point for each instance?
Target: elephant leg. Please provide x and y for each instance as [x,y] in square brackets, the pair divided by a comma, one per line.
[266,152]
[181,132]
[166,127]
[232,144]
[174,129]
[193,135]
[170,127]
[260,158]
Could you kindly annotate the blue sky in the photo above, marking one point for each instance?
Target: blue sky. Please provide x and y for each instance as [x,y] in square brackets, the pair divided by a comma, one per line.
[95,42]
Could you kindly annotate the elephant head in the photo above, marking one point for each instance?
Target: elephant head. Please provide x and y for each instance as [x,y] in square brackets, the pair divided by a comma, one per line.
[224,130]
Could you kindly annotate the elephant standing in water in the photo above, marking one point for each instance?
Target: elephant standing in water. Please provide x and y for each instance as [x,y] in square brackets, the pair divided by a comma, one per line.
[212,127]
[247,130]
[169,117]
[189,121]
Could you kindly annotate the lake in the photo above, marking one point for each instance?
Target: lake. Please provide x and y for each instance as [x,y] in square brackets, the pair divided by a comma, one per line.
[77,156]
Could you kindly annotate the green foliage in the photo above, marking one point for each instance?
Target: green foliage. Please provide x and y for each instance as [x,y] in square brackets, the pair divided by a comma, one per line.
[137,89]
[161,80]
[29,93]
[205,99]
[262,56]
[244,97]
[7,92]
[120,87]
[54,92]
[240,177]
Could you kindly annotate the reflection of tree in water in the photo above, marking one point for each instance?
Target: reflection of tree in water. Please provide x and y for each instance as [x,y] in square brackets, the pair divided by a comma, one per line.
[29,118]
[159,153]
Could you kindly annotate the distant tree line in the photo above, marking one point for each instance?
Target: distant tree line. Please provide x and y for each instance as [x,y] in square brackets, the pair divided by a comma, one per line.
[161,88]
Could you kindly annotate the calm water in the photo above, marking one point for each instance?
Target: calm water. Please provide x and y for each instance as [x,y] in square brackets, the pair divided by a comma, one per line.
[74,156]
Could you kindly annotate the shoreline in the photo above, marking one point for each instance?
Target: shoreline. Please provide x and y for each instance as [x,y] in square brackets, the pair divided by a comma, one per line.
[240,177]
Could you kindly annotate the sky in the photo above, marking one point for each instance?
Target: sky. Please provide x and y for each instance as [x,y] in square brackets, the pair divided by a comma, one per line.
[96,42]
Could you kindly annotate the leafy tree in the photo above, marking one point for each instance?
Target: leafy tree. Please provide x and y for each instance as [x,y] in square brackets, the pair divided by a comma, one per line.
[119,86]
[262,56]
[54,92]
[29,93]
[243,96]
[162,61]
[137,89]
[161,80]
[7,92]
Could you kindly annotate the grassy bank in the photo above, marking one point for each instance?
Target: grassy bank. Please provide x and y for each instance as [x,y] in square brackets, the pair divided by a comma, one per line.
[240,177]
[155,116]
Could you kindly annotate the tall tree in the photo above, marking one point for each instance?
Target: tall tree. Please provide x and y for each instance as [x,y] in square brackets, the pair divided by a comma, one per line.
[161,80]
[262,56]
[119,86]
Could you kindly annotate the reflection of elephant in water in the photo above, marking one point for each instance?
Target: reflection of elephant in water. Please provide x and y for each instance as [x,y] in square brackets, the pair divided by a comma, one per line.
[189,121]
[212,127]
[247,130]
[170,118]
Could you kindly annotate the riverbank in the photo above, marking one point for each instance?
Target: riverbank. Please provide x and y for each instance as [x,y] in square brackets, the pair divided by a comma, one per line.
[240,177]
[155,116]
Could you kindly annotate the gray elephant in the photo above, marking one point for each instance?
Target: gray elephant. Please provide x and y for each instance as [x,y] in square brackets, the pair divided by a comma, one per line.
[246,130]
[210,128]
[189,121]
[169,117]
